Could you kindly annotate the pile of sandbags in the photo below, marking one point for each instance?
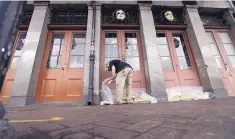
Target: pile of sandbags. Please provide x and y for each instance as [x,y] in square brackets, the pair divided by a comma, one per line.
[107,97]
[197,95]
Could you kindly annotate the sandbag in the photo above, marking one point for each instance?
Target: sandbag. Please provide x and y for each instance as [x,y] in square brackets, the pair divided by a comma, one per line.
[148,97]
[106,95]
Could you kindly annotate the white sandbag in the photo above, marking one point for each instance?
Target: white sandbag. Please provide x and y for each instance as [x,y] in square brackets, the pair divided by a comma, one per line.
[174,96]
[200,95]
[106,102]
[148,97]
[106,95]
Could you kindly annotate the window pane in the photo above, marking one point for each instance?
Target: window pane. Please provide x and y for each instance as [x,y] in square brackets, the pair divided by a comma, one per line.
[54,62]
[181,51]
[163,49]
[131,40]
[184,62]
[79,39]
[180,47]
[219,62]
[166,63]
[161,38]
[19,45]
[76,62]
[132,50]
[210,37]
[110,38]
[78,44]
[225,37]
[214,49]
[14,62]
[229,48]
[57,44]
[232,60]
[77,50]
[111,51]
[134,62]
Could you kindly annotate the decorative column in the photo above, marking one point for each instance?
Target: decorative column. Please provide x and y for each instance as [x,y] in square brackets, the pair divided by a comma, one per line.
[27,73]
[153,68]
[87,54]
[96,97]
[206,65]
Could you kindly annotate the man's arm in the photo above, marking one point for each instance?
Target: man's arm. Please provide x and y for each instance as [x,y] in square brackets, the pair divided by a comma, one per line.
[113,73]
[110,79]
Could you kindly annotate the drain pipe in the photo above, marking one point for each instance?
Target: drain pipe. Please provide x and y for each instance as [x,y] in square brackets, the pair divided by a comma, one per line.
[92,59]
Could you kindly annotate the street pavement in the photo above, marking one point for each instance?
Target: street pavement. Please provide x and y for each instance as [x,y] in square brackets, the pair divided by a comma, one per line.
[202,119]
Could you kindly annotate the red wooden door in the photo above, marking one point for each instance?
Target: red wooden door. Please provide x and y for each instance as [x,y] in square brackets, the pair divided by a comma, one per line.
[223,50]
[177,60]
[62,68]
[10,75]
[123,45]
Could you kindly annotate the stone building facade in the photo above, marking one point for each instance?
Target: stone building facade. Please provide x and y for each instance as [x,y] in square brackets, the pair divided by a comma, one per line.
[173,47]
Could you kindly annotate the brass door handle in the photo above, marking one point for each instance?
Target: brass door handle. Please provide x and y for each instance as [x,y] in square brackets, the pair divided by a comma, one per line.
[62,68]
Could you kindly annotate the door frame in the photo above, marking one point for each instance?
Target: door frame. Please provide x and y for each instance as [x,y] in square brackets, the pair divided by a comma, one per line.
[120,35]
[43,68]
[218,42]
[224,57]
[173,54]
[11,72]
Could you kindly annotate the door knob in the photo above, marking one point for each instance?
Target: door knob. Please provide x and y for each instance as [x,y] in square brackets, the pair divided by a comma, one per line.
[123,57]
[64,67]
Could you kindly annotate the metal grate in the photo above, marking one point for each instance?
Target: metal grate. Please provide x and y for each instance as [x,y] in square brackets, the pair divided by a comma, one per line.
[160,18]
[109,16]
[26,19]
[69,17]
[213,19]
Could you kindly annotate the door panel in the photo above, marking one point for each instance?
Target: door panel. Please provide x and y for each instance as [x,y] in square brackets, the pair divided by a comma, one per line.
[112,51]
[224,54]
[123,45]
[73,74]
[61,77]
[51,74]
[10,75]
[177,60]
[168,64]
[131,51]
[185,63]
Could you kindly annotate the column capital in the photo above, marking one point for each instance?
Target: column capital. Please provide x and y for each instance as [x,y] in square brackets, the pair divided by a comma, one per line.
[231,10]
[98,7]
[41,3]
[89,7]
[192,8]
[144,6]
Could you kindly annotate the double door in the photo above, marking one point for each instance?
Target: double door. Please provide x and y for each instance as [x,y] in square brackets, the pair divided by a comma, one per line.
[123,45]
[223,50]
[177,60]
[61,76]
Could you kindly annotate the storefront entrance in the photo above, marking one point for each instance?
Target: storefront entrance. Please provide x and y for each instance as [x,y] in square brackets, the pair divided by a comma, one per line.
[223,50]
[123,45]
[177,60]
[10,75]
[61,76]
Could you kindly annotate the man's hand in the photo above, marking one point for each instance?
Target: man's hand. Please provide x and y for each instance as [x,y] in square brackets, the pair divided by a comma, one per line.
[110,81]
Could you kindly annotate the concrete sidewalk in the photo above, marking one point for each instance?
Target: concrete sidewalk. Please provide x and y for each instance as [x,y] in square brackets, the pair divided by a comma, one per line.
[210,119]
